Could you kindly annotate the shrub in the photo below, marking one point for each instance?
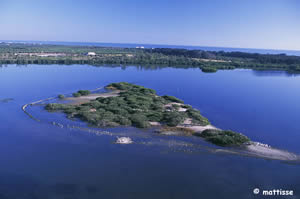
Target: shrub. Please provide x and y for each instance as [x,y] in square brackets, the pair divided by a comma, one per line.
[139,120]
[95,104]
[224,138]
[107,123]
[70,111]
[186,106]
[147,91]
[84,92]
[155,116]
[197,117]
[123,121]
[209,69]
[156,106]
[91,118]
[61,96]
[172,99]
[173,118]
[176,106]
[54,106]
[120,86]
[117,110]
[76,94]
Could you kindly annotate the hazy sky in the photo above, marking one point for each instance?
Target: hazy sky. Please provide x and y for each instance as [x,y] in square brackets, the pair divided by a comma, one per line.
[273,24]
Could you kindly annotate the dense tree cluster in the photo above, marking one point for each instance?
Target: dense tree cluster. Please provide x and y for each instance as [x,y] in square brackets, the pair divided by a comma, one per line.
[224,138]
[135,106]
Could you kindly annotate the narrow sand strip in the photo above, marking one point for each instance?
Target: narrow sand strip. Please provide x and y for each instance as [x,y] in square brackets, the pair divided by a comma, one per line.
[87,98]
[199,129]
[270,153]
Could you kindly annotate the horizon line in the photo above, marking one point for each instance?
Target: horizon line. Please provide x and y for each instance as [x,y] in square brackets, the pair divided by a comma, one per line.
[185,45]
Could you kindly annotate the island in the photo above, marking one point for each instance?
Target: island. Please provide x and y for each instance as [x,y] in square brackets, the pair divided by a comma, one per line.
[126,104]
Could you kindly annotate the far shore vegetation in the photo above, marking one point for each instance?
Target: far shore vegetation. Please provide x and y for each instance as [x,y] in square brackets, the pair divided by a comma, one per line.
[140,107]
[207,61]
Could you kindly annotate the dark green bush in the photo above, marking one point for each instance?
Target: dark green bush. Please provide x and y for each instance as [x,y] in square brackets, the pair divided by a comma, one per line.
[139,120]
[186,106]
[197,117]
[172,99]
[61,96]
[54,106]
[172,118]
[155,116]
[224,138]
[209,69]
[123,121]
[76,94]
[84,92]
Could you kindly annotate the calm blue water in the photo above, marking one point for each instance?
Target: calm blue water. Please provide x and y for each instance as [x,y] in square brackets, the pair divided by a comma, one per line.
[39,160]
[125,45]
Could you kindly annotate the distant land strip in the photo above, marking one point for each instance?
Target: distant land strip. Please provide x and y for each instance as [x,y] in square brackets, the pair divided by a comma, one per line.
[207,61]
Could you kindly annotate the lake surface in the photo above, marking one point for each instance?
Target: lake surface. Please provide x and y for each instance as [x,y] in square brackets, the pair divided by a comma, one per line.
[39,160]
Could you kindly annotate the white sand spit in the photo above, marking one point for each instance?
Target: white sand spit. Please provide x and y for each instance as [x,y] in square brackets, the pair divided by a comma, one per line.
[270,153]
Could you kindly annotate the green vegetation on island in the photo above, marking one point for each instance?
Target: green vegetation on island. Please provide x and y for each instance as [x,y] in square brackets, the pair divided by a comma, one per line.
[223,137]
[207,61]
[141,107]
[61,96]
[81,93]
[134,106]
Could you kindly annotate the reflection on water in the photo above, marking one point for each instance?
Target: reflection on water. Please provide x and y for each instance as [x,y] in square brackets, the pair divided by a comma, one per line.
[6,100]
[273,73]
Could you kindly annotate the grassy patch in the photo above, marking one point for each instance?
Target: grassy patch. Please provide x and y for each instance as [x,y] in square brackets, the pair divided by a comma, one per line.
[177,129]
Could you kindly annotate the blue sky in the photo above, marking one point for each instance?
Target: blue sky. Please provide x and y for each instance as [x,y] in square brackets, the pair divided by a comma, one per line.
[271,24]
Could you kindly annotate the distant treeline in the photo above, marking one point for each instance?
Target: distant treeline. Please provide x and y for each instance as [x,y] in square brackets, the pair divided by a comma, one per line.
[208,61]
[140,60]
[254,57]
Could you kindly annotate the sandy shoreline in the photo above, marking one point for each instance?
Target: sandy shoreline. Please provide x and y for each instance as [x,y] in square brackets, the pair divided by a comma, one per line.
[87,98]
[252,149]
[199,129]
